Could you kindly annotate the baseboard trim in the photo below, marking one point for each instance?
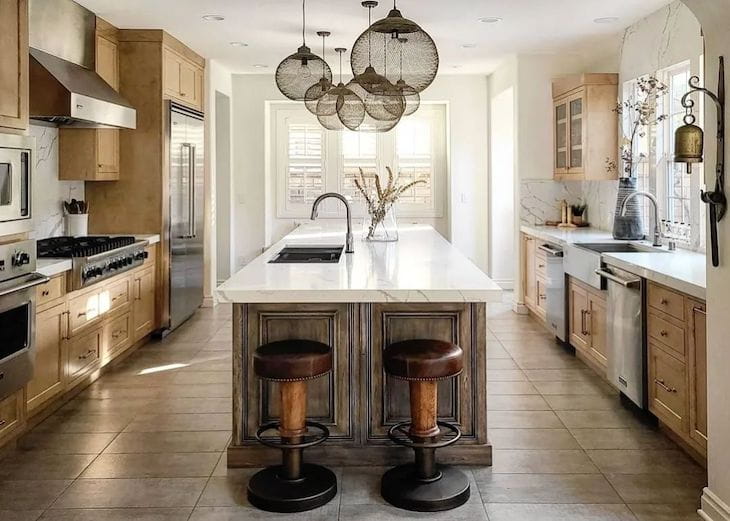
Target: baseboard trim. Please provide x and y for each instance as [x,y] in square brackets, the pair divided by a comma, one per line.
[520,308]
[713,508]
[208,302]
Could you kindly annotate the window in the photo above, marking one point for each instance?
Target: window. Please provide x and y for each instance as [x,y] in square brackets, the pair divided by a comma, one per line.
[310,161]
[677,192]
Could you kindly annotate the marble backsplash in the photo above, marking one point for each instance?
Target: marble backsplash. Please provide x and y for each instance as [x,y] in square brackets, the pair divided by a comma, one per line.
[540,200]
[48,192]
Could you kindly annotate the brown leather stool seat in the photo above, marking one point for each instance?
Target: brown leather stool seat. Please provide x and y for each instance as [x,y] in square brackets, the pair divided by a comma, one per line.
[292,360]
[423,360]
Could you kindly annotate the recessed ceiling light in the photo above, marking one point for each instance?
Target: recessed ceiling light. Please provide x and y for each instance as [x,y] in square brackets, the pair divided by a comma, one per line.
[490,19]
[260,66]
[239,44]
[468,46]
[213,18]
[606,20]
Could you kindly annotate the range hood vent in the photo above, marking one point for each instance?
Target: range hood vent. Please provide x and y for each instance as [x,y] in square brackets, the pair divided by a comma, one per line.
[64,89]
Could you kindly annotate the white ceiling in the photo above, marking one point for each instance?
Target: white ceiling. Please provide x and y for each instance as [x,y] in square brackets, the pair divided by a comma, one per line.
[272,28]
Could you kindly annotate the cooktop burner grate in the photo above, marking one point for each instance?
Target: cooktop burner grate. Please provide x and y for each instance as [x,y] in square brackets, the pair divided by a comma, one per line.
[68,247]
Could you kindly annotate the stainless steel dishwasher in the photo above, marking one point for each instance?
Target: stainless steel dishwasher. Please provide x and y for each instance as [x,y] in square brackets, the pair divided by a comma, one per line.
[625,333]
[555,291]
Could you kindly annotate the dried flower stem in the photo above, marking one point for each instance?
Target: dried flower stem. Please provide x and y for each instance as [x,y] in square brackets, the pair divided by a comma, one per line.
[379,208]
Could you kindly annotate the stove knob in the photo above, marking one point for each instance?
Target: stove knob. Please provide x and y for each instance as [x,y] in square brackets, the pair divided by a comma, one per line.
[98,271]
[20,258]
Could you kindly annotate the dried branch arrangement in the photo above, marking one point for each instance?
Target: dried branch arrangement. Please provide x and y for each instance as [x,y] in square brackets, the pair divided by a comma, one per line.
[380,200]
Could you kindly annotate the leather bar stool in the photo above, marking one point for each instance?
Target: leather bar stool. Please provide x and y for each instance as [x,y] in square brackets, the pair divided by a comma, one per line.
[293,486]
[424,486]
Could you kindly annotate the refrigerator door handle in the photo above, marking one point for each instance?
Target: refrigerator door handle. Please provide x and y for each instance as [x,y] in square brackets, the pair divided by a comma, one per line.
[191,193]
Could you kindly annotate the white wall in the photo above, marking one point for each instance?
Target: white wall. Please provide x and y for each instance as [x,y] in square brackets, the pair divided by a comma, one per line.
[255,225]
[714,15]
[217,79]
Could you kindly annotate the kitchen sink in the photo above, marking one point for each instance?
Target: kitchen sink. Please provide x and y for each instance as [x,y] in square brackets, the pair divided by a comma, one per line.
[619,247]
[308,255]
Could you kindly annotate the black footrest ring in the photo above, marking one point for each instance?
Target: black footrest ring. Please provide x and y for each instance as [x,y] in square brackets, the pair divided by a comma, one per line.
[279,443]
[427,444]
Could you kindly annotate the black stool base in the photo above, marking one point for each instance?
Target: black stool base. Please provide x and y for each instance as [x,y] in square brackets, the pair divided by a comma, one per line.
[402,488]
[267,491]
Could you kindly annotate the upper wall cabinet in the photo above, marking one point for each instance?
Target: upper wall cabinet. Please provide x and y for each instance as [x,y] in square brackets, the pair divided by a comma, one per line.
[183,79]
[93,154]
[14,65]
[585,127]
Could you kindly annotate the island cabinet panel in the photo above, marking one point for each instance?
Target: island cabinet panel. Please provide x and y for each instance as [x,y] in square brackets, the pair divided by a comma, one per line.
[390,396]
[357,401]
[329,397]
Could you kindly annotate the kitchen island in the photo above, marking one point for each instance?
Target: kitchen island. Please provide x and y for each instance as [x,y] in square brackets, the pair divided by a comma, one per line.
[418,287]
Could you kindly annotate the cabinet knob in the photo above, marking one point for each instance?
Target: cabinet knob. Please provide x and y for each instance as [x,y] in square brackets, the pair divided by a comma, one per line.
[664,302]
[2,423]
[663,333]
[45,293]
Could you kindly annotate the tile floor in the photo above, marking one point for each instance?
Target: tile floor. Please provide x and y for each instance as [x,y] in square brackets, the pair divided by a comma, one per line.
[135,445]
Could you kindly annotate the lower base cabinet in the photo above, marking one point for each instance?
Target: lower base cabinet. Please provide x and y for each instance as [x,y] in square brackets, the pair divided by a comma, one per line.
[587,323]
[143,319]
[50,356]
[12,415]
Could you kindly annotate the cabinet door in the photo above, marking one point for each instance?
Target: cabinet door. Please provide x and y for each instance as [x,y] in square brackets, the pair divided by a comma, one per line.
[83,355]
[107,154]
[48,373]
[187,81]
[560,131]
[117,336]
[107,61]
[530,274]
[84,310]
[578,303]
[668,389]
[172,73]
[576,119]
[541,294]
[14,64]
[697,342]
[144,304]
[597,328]
[11,413]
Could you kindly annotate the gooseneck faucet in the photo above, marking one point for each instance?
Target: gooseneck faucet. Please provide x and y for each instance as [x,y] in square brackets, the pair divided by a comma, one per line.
[348,238]
[657,224]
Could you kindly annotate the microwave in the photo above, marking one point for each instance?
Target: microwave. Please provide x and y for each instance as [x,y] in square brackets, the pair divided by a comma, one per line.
[16,157]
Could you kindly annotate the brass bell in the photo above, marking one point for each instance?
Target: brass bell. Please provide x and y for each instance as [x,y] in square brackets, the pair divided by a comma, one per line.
[689,143]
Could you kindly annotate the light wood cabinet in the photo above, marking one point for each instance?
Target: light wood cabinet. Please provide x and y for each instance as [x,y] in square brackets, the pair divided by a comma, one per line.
[116,336]
[12,414]
[93,154]
[50,291]
[530,273]
[14,92]
[677,364]
[84,354]
[50,357]
[84,310]
[144,303]
[696,313]
[183,79]
[585,127]
[587,323]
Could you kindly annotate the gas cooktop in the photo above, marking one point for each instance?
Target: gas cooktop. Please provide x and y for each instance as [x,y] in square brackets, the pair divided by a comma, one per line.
[96,257]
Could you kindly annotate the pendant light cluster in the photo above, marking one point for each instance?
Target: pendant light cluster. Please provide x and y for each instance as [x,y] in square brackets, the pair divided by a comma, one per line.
[392,62]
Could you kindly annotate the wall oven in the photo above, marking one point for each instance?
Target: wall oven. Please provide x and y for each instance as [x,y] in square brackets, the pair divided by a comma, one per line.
[17,314]
[16,159]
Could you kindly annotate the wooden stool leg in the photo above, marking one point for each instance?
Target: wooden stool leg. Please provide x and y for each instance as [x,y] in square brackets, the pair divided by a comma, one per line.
[293,424]
[424,413]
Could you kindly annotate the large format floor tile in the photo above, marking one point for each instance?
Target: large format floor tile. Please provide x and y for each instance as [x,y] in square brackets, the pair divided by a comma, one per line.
[117,493]
[532,439]
[545,488]
[139,442]
[181,465]
[541,462]
[118,514]
[548,512]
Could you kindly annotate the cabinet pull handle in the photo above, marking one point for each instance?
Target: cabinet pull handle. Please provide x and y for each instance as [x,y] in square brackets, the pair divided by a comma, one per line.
[589,329]
[543,297]
[65,334]
[663,333]
[3,422]
[45,293]
[699,310]
[81,314]
[540,265]
[663,302]
[583,322]
[139,290]
[88,354]
[665,386]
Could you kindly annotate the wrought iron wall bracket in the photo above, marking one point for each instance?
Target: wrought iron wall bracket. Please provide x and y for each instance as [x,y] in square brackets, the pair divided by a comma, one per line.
[716,199]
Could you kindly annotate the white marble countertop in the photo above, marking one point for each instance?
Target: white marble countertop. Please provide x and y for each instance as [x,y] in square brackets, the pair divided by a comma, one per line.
[51,267]
[682,270]
[421,266]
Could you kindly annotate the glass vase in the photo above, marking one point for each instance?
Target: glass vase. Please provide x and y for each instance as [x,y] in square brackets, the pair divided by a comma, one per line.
[380,228]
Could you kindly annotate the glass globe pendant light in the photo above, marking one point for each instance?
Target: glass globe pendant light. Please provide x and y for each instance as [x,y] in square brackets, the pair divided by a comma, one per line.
[340,108]
[319,89]
[298,72]
[421,59]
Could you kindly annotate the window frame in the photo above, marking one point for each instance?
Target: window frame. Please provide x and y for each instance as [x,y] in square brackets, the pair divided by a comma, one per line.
[281,114]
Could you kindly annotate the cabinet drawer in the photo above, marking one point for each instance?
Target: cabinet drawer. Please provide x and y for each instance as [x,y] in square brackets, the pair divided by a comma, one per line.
[9,414]
[541,296]
[116,296]
[668,388]
[541,264]
[670,335]
[117,335]
[84,310]
[667,301]
[51,290]
[83,353]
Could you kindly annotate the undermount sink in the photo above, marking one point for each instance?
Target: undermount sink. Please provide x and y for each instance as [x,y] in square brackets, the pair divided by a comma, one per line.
[308,255]
[619,247]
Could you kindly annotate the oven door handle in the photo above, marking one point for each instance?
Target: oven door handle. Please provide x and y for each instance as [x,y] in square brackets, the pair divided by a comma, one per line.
[41,279]
[627,283]
[553,252]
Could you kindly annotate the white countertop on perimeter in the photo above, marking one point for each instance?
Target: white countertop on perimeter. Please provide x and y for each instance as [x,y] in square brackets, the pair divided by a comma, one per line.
[51,267]
[421,266]
[683,270]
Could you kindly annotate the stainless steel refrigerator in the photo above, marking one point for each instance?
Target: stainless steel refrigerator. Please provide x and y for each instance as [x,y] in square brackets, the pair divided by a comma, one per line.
[186,146]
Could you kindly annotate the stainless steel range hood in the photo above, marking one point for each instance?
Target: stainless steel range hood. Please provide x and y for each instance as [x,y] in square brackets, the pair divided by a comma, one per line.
[64,89]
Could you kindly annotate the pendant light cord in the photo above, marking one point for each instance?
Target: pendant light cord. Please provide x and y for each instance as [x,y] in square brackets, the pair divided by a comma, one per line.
[370,37]
[341,65]
[304,22]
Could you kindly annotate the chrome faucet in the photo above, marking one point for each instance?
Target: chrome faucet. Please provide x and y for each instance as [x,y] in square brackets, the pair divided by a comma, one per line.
[657,224]
[348,238]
